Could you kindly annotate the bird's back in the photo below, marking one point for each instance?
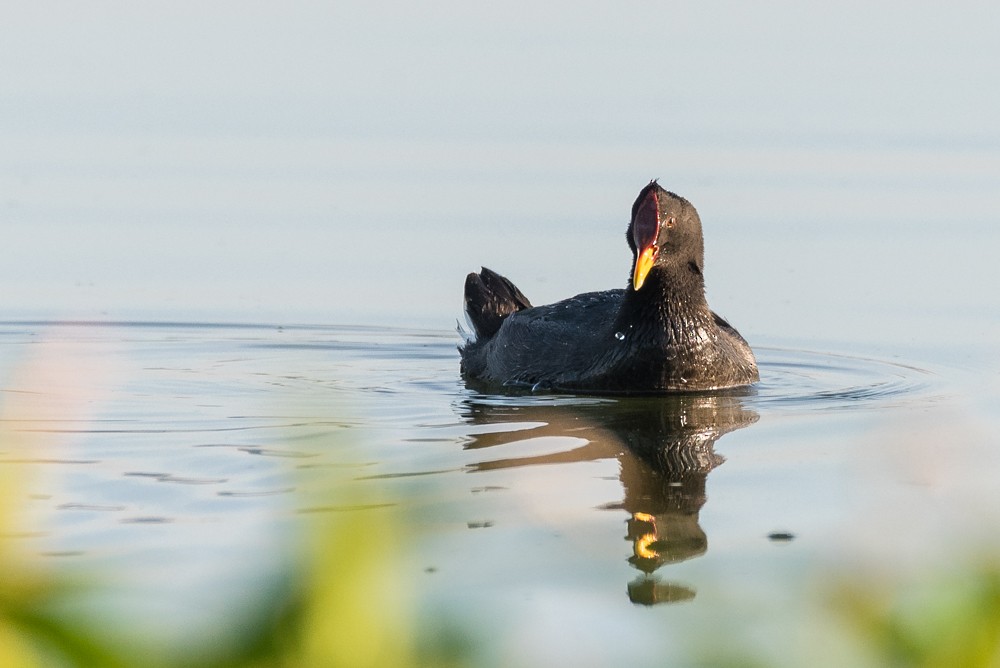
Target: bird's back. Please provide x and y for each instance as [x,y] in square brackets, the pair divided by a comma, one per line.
[547,344]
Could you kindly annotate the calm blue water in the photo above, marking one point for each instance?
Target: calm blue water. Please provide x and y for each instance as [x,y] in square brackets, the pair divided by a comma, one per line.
[180,199]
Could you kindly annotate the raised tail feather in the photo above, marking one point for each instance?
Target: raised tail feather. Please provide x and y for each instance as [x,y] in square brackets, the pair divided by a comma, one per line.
[489,298]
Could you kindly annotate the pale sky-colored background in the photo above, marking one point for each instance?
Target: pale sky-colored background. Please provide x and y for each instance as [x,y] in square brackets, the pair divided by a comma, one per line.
[350,162]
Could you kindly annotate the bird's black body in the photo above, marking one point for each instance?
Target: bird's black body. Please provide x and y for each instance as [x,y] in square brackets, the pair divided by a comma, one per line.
[657,335]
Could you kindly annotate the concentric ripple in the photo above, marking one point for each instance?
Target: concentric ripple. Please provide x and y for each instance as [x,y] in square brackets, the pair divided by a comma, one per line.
[791,379]
[827,381]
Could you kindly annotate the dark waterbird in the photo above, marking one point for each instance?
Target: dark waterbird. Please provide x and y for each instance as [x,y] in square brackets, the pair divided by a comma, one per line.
[657,335]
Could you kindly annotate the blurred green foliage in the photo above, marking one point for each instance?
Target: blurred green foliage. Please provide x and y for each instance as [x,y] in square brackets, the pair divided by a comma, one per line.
[348,602]
[344,603]
[342,607]
[948,619]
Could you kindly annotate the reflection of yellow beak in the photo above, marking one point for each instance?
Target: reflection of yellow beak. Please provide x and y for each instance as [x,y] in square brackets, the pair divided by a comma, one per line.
[641,547]
[643,264]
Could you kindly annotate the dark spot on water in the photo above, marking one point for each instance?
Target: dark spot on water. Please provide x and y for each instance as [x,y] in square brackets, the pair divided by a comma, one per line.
[89,506]
[480,525]
[167,477]
[405,474]
[344,509]
[193,481]
[269,452]
[781,536]
[269,492]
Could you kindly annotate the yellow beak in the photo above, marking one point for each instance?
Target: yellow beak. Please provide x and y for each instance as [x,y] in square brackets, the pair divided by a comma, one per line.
[643,264]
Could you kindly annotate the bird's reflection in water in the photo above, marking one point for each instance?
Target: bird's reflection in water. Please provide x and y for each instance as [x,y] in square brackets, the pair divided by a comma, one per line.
[665,447]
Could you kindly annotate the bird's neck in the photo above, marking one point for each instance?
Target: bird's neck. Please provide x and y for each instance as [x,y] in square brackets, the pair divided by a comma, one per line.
[670,308]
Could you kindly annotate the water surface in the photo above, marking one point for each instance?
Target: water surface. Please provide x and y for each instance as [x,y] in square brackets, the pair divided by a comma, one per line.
[182,458]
